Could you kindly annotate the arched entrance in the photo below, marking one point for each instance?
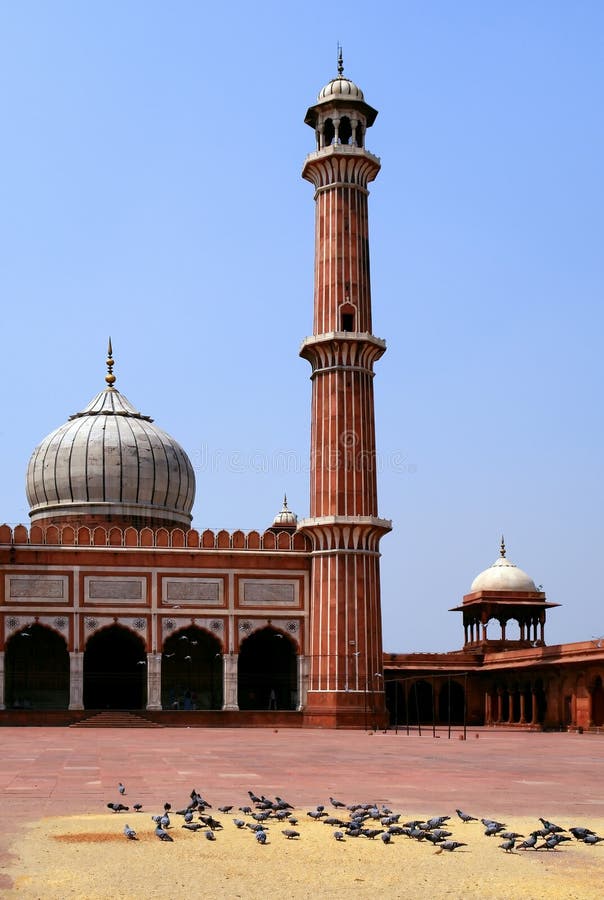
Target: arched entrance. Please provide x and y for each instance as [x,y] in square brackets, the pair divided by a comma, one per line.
[267,675]
[36,666]
[191,670]
[420,702]
[115,670]
[597,703]
[451,703]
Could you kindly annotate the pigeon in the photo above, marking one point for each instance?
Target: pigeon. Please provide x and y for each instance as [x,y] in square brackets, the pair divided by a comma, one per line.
[167,807]
[337,803]
[189,815]
[290,833]
[386,837]
[225,809]
[580,833]
[246,810]
[239,823]
[283,804]
[254,798]
[592,839]
[465,817]
[492,829]
[549,826]
[261,837]
[210,836]
[192,826]
[508,845]
[137,807]
[315,814]
[450,846]
[488,823]
[121,789]
[130,833]
[437,821]
[552,842]
[529,843]
[510,835]
[338,835]
[165,821]
[162,834]
[118,807]
[260,816]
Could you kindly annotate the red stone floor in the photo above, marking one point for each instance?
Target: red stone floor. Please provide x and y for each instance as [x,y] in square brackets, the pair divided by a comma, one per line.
[59,771]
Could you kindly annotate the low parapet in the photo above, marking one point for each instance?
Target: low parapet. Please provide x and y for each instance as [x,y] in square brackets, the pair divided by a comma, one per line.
[175,538]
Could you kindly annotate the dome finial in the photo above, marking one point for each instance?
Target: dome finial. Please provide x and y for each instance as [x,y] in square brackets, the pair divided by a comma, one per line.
[502,548]
[110,377]
[340,61]
[285,507]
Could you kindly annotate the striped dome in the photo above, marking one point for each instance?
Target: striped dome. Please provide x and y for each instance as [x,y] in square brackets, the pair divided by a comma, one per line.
[110,461]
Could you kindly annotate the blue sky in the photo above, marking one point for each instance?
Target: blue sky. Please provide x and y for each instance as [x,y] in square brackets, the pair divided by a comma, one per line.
[151,190]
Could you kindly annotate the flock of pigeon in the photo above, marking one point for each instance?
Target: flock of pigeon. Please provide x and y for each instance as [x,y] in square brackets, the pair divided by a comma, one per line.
[354,821]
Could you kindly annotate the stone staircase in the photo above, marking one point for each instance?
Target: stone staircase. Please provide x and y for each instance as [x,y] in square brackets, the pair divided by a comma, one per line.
[115,718]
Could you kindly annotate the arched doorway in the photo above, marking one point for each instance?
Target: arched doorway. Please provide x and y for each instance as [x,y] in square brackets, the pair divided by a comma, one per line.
[451,703]
[115,670]
[191,670]
[267,675]
[420,702]
[597,703]
[36,666]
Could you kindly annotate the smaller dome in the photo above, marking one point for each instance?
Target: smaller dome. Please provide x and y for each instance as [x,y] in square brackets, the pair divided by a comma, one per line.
[340,87]
[503,575]
[285,518]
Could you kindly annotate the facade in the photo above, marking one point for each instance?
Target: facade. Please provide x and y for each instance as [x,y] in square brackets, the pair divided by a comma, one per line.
[111,599]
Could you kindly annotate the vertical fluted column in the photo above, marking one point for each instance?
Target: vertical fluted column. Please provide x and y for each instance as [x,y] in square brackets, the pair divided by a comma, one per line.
[154,681]
[229,681]
[76,680]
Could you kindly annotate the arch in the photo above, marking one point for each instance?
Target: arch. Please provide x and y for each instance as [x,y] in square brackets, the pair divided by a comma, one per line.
[191,670]
[512,629]
[267,671]
[115,669]
[328,132]
[36,666]
[597,703]
[420,702]
[345,130]
[451,703]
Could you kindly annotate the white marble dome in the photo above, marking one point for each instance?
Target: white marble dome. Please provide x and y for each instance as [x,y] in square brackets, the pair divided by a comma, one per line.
[110,461]
[340,87]
[285,518]
[503,575]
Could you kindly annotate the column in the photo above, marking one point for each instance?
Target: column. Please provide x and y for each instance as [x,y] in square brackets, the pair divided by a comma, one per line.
[499,705]
[229,681]
[76,680]
[534,708]
[154,681]
[522,709]
[2,706]
[488,714]
[510,706]
[302,682]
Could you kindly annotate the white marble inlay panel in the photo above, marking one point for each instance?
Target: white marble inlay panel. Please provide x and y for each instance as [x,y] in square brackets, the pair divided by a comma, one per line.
[264,592]
[49,589]
[193,591]
[114,589]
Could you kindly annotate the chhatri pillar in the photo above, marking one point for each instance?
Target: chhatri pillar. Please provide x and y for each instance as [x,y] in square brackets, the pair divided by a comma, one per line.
[345,684]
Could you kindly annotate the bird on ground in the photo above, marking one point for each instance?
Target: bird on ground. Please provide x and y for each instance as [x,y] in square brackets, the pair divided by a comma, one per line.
[192,826]
[292,820]
[492,829]
[290,833]
[121,788]
[210,836]
[396,829]
[386,837]
[530,842]
[316,814]
[552,842]
[239,823]
[261,837]
[225,809]
[211,822]
[162,834]
[165,821]
[167,807]
[246,810]
[549,826]
[130,833]
[508,845]
[579,832]
[437,821]
[338,835]
[137,807]
[254,798]
[118,807]
[283,804]
[510,835]
[260,816]
[465,817]
[337,803]
[592,839]
[189,815]
[450,846]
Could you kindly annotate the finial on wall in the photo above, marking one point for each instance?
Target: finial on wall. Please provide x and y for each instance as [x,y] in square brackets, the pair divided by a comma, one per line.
[110,377]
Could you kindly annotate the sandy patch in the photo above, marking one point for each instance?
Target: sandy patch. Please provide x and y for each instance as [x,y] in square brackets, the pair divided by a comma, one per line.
[89,857]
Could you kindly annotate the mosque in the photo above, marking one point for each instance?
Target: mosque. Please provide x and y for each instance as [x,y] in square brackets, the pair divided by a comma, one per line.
[111,600]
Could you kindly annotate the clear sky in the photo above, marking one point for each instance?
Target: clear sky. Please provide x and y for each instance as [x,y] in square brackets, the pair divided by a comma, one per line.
[151,190]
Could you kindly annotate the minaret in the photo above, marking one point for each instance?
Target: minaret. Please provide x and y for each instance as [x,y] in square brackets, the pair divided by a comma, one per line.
[345,683]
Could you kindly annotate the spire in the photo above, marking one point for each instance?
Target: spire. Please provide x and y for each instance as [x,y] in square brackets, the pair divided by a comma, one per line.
[502,548]
[340,61]
[110,377]
[285,506]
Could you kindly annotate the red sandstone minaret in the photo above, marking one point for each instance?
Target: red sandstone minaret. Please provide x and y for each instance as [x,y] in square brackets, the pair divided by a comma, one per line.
[345,684]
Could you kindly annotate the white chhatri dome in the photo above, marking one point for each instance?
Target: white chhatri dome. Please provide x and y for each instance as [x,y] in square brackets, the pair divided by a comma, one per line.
[112,462]
[285,518]
[503,575]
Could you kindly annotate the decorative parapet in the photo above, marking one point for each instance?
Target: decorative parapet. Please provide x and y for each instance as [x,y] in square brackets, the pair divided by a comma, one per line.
[158,538]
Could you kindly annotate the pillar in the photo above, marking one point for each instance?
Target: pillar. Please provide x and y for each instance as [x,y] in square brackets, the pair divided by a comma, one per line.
[499,705]
[229,681]
[2,706]
[488,712]
[154,681]
[302,681]
[522,709]
[76,680]
[534,708]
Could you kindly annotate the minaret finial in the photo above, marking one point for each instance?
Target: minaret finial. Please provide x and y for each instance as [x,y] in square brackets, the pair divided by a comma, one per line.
[110,377]
[284,502]
[340,61]
[502,548]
